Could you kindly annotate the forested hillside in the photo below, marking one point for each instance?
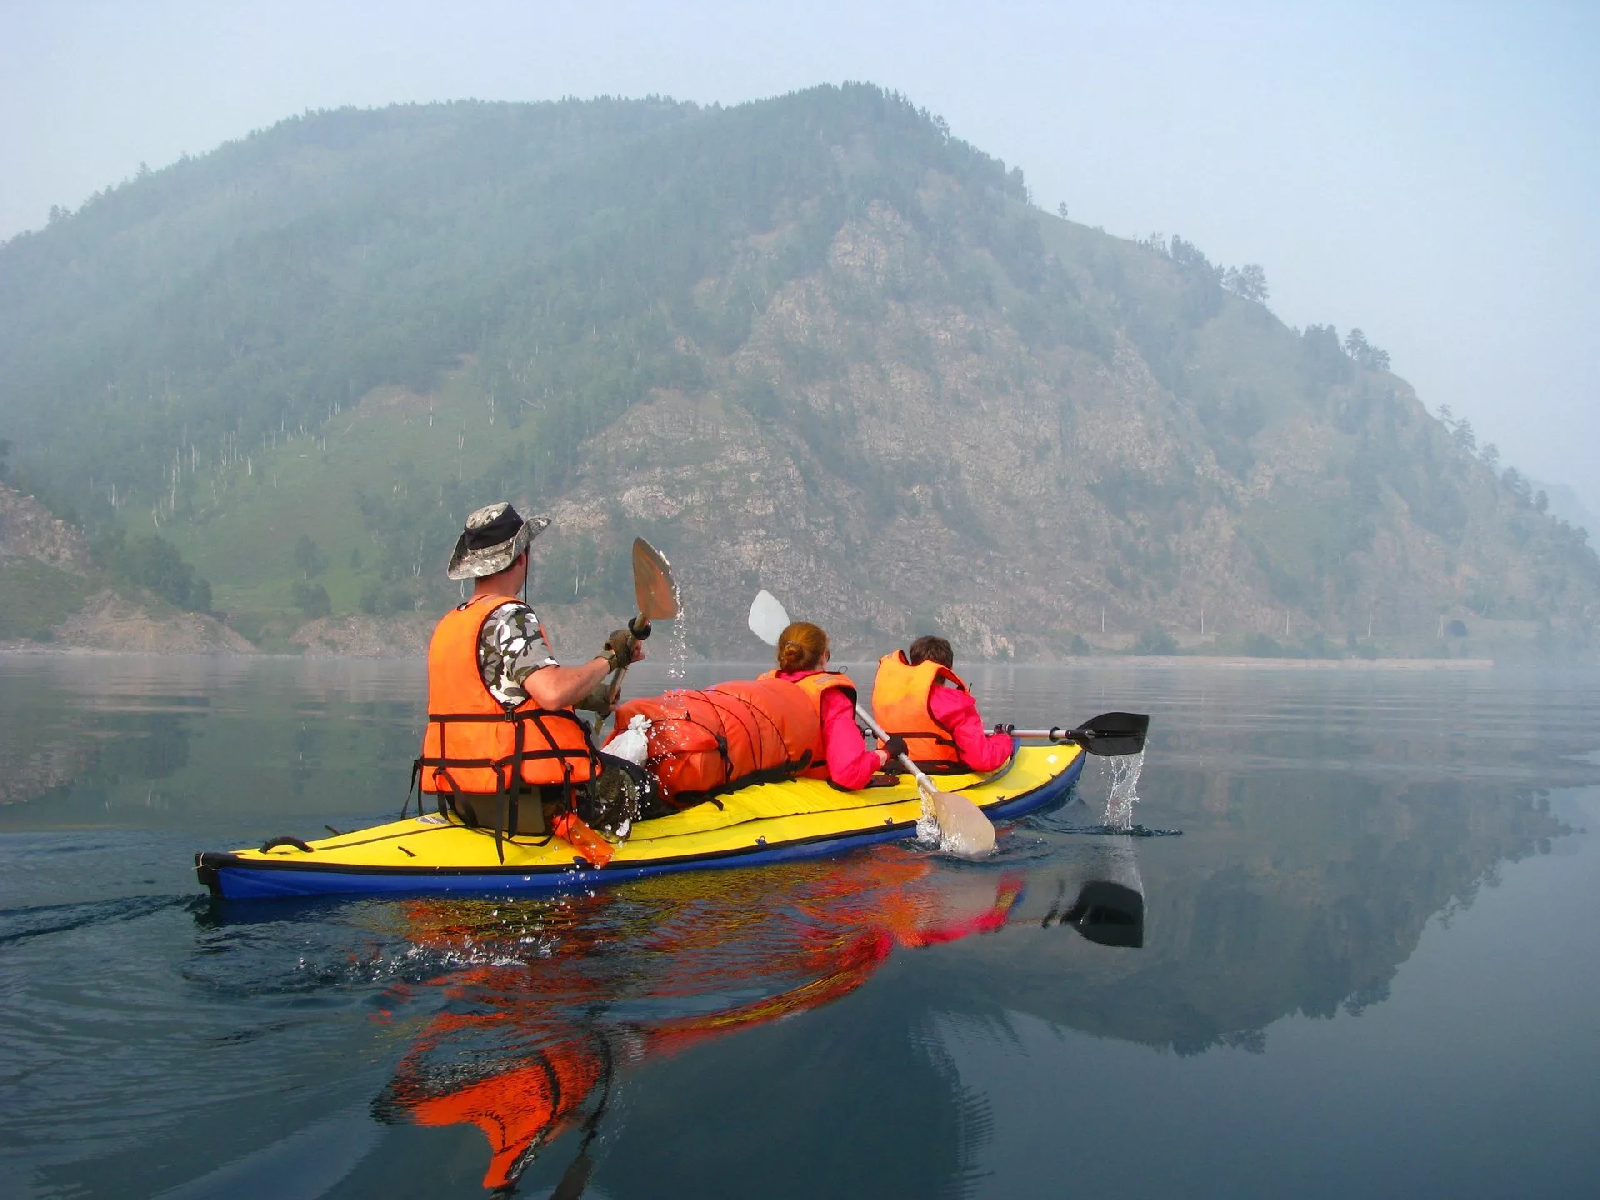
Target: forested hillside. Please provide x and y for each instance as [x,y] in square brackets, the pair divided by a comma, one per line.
[813,343]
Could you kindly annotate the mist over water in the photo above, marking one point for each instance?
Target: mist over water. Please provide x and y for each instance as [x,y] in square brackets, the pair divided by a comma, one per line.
[1373,932]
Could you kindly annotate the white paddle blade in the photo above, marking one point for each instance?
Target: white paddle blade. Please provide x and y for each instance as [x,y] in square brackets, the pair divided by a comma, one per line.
[768,619]
[964,830]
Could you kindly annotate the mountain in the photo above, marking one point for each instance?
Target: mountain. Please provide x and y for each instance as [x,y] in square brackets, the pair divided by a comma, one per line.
[813,343]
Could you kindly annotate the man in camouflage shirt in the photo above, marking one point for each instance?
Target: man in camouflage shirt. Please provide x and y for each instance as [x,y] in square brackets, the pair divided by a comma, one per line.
[510,648]
[514,660]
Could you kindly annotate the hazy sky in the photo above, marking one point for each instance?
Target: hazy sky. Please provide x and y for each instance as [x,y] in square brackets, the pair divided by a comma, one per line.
[1428,172]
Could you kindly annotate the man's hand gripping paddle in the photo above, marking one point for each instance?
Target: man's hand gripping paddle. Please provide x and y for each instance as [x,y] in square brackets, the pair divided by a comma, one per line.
[963,828]
[657,598]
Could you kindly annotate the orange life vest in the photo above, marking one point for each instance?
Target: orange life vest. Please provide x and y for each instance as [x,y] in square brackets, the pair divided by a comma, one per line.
[735,733]
[474,745]
[900,697]
[814,686]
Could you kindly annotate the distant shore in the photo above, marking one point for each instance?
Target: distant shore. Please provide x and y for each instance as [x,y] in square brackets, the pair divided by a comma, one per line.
[1289,664]
[1138,661]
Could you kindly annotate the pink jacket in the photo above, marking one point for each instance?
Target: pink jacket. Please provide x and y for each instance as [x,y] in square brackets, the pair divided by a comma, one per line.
[957,711]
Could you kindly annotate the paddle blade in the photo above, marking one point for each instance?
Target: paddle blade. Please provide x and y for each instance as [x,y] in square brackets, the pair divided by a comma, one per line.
[1113,733]
[964,830]
[653,588]
[768,619]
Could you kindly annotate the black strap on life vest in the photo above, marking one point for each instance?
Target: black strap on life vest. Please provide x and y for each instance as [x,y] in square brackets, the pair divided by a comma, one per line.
[935,766]
[456,806]
[520,752]
[414,786]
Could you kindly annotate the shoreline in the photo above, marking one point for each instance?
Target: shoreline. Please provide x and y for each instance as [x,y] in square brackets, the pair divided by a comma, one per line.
[1235,662]
[1136,661]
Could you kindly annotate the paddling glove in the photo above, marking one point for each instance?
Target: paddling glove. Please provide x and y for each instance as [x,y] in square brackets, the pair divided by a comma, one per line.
[621,648]
[598,701]
[895,747]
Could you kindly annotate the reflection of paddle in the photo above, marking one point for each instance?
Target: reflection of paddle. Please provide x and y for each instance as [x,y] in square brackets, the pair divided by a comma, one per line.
[1108,734]
[657,598]
[963,828]
[1106,911]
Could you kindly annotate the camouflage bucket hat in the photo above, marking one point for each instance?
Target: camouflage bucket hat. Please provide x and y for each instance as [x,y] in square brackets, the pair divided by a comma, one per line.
[495,535]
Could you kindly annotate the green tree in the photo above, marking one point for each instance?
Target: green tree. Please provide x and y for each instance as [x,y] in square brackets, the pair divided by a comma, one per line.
[1248,282]
[1326,364]
[150,561]
[1517,484]
[1364,352]
[308,557]
[311,598]
[1155,641]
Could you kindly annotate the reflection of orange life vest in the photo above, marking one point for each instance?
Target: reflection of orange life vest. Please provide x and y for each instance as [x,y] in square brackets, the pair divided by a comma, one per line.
[473,744]
[744,731]
[519,1108]
[814,685]
[900,702]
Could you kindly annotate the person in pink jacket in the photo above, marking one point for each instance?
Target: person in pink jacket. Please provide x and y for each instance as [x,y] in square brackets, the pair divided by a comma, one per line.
[842,756]
[918,697]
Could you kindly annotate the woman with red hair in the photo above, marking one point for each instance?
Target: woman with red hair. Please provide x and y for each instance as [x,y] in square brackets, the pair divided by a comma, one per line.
[840,755]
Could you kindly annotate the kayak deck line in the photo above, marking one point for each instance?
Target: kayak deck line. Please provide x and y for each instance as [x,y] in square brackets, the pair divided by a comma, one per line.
[769,822]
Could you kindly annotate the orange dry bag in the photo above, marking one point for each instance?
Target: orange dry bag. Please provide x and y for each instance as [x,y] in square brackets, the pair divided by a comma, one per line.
[703,743]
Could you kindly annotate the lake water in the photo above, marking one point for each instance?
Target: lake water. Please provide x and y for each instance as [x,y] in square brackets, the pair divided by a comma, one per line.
[1369,966]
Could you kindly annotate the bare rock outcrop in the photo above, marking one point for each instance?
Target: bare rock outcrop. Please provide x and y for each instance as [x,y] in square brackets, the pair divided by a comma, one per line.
[362,636]
[29,530]
[110,621]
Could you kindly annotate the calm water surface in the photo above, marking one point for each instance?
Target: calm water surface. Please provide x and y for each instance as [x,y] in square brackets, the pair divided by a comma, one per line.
[1368,967]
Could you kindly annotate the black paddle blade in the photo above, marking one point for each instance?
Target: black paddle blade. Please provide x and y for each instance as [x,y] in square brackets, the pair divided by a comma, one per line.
[1112,733]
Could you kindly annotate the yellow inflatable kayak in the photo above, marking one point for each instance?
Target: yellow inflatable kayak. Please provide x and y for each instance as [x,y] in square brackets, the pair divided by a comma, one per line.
[764,823]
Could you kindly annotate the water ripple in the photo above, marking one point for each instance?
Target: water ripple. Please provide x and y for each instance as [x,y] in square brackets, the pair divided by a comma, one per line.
[17,924]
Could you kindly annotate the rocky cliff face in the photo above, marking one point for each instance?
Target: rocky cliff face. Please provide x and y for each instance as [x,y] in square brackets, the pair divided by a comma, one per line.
[891,464]
[29,531]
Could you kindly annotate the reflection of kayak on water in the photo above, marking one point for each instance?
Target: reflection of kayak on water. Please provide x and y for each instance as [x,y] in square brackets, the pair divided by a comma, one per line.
[764,823]
[528,1049]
